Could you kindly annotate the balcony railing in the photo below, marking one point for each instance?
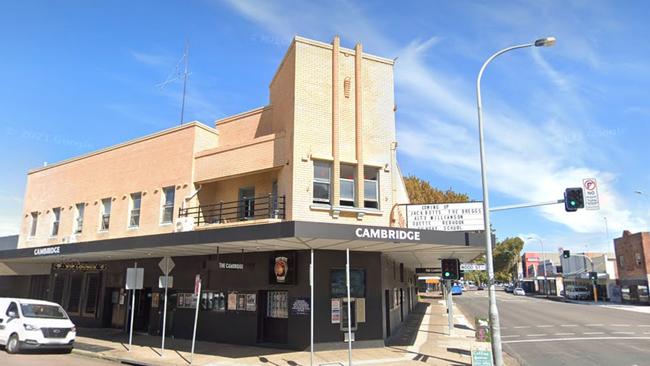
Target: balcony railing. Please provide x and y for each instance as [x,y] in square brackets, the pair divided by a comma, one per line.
[254,208]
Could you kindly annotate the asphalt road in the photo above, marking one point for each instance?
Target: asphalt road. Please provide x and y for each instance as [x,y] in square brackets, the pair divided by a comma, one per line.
[543,332]
[49,359]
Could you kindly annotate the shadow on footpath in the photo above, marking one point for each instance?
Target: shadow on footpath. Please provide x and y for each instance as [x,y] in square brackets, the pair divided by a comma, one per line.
[408,331]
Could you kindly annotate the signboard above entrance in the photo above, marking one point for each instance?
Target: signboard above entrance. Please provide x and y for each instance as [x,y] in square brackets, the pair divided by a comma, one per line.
[446,216]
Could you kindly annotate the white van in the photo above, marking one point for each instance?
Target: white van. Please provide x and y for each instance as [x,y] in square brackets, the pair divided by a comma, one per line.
[574,292]
[30,324]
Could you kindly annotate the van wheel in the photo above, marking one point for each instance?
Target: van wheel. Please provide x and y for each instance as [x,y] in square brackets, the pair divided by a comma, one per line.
[13,344]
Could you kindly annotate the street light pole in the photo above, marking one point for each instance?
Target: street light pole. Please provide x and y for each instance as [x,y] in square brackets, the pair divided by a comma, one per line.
[493,311]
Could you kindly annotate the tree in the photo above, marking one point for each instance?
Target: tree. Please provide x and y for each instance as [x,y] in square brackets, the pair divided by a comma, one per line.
[506,256]
[421,192]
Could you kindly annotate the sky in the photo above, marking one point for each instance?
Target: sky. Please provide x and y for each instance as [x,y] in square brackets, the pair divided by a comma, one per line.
[77,76]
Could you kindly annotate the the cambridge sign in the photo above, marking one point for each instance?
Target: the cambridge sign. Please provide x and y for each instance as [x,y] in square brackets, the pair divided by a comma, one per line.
[390,234]
[48,251]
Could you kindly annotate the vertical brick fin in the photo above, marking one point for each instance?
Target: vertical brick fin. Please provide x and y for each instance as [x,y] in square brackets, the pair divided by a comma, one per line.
[358,120]
[336,165]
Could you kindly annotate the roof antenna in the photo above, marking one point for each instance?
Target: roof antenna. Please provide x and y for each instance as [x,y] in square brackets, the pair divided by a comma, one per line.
[176,75]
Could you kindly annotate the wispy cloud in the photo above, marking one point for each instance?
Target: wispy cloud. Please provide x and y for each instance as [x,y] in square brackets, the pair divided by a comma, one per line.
[528,154]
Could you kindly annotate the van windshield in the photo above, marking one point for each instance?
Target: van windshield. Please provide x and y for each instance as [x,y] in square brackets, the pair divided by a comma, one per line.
[43,311]
[581,289]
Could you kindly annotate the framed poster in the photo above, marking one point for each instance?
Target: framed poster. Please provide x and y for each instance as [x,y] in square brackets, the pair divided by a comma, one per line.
[250,302]
[232,301]
[283,268]
[336,311]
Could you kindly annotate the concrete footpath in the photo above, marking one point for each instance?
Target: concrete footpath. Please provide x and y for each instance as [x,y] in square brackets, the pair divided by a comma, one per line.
[422,339]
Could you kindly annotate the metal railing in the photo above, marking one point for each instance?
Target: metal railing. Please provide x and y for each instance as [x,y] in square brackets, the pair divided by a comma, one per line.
[253,208]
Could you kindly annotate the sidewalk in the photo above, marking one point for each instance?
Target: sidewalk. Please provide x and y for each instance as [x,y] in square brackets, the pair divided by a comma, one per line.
[422,339]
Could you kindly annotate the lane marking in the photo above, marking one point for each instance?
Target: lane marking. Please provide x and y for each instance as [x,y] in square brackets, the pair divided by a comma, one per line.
[522,326]
[646,332]
[619,325]
[622,332]
[536,335]
[598,333]
[510,336]
[568,325]
[564,333]
[640,325]
[593,325]
[574,339]
[544,326]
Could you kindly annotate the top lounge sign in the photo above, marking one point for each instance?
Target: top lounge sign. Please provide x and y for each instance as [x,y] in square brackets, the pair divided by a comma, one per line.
[48,251]
[446,216]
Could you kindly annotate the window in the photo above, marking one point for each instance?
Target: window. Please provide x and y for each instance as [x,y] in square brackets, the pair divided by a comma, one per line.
[56,216]
[278,305]
[621,261]
[92,293]
[79,218]
[637,257]
[105,215]
[213,301]
[13,307]
[167,215]
[347,184]
[75,293]
[370,187]
[322,181]
[34,222]
[134,219]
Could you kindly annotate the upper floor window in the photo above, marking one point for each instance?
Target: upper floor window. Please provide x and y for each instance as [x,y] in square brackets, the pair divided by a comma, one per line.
[322,181]
[105,218]
[56,217]
[33,223]
[134,219]
[79,217]
[621,261]
[370,187]
[637,257]
[167,214]
[347,181]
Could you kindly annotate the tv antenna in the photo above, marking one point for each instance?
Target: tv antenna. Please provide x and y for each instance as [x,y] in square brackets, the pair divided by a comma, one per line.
[177,74]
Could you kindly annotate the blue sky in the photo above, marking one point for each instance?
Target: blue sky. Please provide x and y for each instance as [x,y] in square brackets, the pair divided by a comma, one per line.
[78,76]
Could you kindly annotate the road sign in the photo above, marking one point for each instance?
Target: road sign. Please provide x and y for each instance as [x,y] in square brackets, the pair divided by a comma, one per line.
[590,188]
[472,267]
[466,216]
[166,265]
[134,278]
[166,280]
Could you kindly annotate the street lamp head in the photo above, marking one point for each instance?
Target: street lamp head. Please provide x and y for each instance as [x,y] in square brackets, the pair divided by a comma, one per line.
[545,42]
[638,192]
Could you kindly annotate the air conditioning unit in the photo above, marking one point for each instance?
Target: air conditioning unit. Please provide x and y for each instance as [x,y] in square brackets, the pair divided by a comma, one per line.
[184,224]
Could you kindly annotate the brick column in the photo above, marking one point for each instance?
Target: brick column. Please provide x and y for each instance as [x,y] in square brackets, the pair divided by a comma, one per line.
[358,121]
[336,164]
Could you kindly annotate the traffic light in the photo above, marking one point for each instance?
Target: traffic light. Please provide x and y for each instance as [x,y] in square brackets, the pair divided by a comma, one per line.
[566,254]
[451,269]
[573,199]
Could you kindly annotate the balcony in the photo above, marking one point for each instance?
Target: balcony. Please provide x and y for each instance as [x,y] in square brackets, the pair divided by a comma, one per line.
[267,207]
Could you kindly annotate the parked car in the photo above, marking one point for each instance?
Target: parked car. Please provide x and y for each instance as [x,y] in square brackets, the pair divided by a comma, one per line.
[509,289]
[574,292]
[457,289]
[480,288]
[519,291]
[34,324]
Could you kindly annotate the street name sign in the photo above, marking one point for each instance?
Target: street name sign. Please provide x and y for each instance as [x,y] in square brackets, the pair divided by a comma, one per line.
[466,216]
[590,189]
[165,281]
[427,270]
[472,267]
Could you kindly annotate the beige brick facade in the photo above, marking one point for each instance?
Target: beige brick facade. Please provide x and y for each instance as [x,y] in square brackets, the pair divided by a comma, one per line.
[276,143]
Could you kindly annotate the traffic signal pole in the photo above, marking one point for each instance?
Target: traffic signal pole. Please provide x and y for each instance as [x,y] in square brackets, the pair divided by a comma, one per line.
[450,307]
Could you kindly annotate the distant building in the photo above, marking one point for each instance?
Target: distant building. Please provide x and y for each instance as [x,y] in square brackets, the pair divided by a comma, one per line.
[633,262]
[576,268]
[532,265]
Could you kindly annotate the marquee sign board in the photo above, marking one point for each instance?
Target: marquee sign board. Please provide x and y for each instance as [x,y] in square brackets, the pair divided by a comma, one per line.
[446,216]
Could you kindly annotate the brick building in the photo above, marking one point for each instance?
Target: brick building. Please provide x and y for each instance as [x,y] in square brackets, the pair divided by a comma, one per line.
[242,204]
[633,262]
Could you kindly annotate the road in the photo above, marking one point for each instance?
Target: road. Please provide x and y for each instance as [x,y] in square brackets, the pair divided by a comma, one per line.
[49,359]
[543,332]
